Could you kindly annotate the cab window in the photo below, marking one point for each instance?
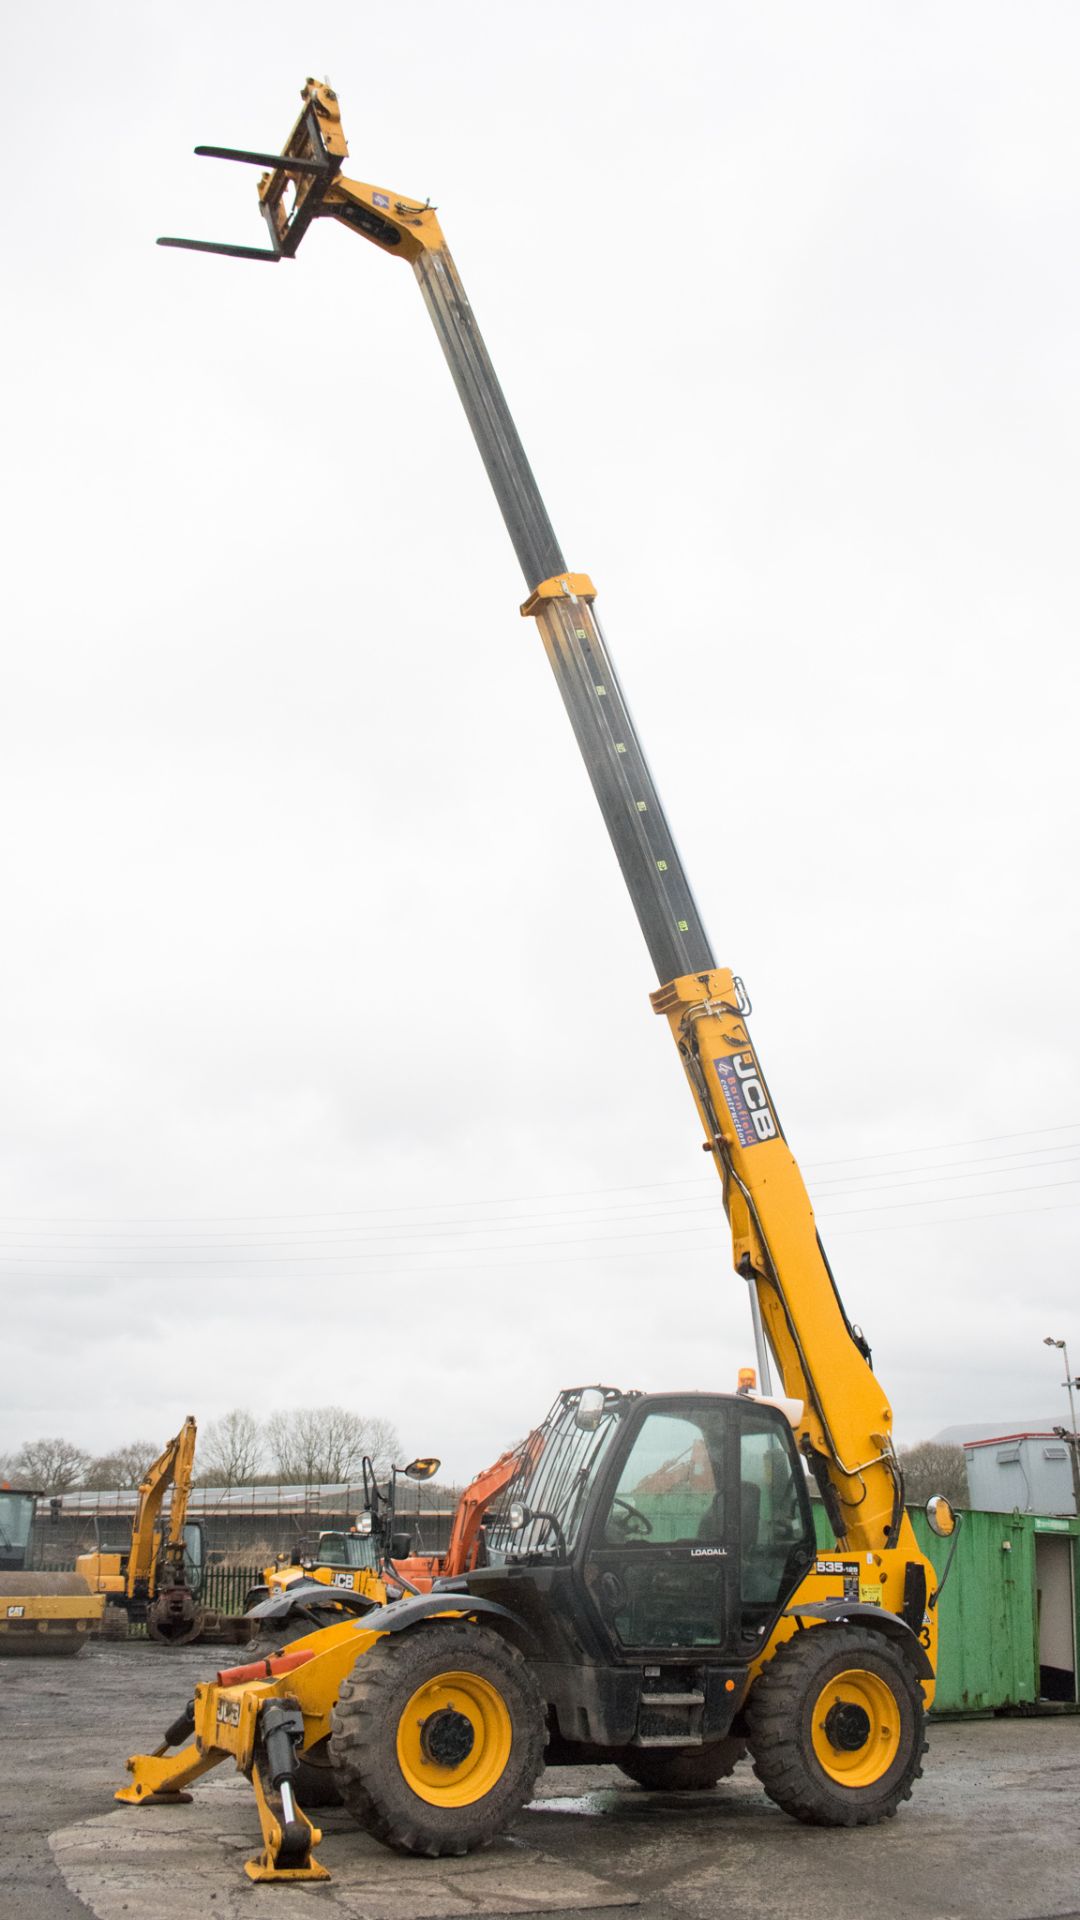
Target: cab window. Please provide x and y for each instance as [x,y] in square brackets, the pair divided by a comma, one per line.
[774,1517]
[671,1485]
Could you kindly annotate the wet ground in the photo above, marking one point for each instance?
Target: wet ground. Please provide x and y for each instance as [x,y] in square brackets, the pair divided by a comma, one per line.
[992,1833]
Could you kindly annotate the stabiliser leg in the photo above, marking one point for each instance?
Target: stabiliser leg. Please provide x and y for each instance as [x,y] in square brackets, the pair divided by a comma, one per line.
[288,1835]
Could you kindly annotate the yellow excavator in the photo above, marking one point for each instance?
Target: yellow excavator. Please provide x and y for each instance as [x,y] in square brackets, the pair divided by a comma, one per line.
[39,1612]
[651,1594]
[154,1578]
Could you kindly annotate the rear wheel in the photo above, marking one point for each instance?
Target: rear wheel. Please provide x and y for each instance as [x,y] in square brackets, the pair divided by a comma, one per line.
[272,1638]
[692,1771]
[438,1738]
[836,1727]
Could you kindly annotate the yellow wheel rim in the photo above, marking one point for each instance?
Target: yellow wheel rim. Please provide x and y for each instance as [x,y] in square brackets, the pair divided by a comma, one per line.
[857,1728]
[454,1739]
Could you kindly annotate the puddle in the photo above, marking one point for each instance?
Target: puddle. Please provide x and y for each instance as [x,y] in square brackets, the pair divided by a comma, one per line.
[588,1803]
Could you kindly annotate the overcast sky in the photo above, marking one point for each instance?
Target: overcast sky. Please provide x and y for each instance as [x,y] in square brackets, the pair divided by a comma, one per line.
[329,1068]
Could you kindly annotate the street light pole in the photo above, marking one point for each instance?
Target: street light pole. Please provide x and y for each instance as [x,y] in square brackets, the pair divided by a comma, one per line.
[1073,1436]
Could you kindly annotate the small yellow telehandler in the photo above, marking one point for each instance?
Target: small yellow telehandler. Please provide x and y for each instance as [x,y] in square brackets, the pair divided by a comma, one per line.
[651,1594]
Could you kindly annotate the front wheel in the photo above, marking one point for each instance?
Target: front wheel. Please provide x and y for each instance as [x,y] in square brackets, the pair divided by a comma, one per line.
[836,1727]
[438,1738]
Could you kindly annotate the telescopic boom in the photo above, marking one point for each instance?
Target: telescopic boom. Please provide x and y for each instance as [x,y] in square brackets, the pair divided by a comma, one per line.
[845,1429]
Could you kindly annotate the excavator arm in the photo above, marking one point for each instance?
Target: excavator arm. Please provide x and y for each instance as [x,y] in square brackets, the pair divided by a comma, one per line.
[149,1554]
[845,1426]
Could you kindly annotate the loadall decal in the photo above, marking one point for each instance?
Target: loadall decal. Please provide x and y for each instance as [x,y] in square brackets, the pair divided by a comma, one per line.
[747,1101]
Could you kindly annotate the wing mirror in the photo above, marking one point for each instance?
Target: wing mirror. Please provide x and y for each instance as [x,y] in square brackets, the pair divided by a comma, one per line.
[421,1469]
[940,1516]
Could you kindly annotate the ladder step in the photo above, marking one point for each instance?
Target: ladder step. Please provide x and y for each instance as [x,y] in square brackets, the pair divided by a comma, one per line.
[668,1740]
[673,1699]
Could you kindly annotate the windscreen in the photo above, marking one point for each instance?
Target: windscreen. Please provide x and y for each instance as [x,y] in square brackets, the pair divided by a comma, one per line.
[559,1466]
[16,1514]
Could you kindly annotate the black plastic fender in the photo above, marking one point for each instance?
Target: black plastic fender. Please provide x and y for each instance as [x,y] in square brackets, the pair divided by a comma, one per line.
[422,1606]
[864,1615]
[281,1606]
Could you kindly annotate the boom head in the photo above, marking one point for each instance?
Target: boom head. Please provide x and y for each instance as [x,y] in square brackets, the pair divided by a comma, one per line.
[305,181]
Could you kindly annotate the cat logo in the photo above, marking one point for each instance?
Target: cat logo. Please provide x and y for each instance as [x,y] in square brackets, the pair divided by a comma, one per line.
[16,1613]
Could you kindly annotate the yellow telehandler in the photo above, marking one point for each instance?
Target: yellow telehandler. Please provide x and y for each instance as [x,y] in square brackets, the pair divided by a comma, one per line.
[651,1593]
[303,1589]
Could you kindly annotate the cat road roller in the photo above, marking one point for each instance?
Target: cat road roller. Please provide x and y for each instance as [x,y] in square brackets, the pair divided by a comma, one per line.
[650,1592]
[39,1612]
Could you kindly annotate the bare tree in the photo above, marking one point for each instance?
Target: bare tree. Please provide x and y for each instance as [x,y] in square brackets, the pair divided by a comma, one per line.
[313,1444]
[54,1465]
[231,1450]
[124,1467]
[932,1468]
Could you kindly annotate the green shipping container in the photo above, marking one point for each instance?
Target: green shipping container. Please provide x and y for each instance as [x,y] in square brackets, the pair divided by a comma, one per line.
[988,1649]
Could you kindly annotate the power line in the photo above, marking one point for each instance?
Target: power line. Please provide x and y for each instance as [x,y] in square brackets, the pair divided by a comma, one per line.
[79,1246]
[583,1246]
[327,1213]
[561,1259]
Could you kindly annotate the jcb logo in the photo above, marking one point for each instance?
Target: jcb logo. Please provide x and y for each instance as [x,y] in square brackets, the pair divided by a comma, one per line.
[753,1093]
[228,1712]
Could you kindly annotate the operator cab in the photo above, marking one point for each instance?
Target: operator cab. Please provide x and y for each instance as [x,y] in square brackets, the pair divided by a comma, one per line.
[354,1550]
[685,1517]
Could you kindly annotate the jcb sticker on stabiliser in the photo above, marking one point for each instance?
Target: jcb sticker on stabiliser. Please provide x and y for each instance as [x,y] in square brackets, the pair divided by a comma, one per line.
[747,1101]
[228,1712]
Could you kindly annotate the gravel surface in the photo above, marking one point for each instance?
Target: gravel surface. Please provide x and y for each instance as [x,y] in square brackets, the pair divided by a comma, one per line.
[992,1833]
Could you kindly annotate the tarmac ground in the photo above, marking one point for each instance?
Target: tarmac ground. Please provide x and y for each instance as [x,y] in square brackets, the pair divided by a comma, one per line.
[992,1832]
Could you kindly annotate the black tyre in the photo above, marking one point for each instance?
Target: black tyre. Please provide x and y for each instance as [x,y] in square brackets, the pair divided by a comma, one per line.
[273,1638]
[836,1725]
[315,1783]
[438,1738]
[693,1770]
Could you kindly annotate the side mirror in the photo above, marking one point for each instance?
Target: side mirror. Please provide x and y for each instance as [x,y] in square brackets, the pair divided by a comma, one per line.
[940,1516]
[590,1409]
[421,1469]
[400,1546]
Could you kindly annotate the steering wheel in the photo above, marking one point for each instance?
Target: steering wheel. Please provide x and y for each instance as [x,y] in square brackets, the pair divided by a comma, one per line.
[636,1523]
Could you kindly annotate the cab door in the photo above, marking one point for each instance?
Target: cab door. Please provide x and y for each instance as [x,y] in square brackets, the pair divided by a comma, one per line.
[661,1562]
